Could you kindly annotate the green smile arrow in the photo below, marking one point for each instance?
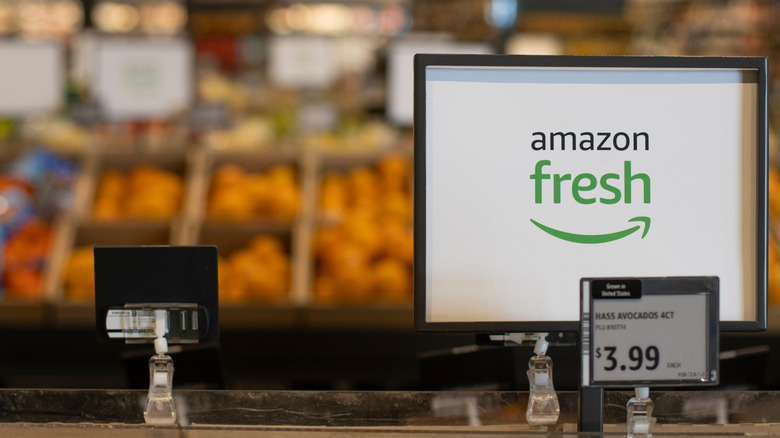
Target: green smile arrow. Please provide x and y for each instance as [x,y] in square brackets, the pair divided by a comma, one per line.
[597,238]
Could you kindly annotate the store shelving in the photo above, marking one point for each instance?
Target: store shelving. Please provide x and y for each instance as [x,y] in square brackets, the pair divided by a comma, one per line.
[299,310]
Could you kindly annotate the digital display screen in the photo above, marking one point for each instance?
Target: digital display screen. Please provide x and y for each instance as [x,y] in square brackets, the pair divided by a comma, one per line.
[533,172]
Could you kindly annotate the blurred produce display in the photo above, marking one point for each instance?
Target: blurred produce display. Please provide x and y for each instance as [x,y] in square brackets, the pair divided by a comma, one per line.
[359,240]
[238,195]
[259,272]
[145,192]
[364,247]
[34,188]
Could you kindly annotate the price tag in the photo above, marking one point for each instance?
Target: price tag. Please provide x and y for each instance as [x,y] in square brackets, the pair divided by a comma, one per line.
[400,71]
[32,78]
[143,79]
[307,62]
[649,331]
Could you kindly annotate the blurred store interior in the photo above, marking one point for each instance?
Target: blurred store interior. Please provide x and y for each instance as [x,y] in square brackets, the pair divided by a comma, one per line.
[280,131]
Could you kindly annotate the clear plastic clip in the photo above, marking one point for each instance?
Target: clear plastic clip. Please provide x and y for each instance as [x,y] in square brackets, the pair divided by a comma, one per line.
[543,407]
[640,421]
[159,401]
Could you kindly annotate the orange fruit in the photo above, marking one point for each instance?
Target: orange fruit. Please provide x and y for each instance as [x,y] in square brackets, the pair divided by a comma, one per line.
[355,284]
[287,203]
[261,270]
[363,184]
[397,241]
[261,191]
[228,176]
[325,240]
[363,231]
[22,257]
[325,289]
[79,274]
[282,176]
[392,280]
[774,286]
[273,194]
[80,293]
[263,284]
[107,208]
[394,184]
[394,166]
[152,205]
[334,179]
[22,282]
[266,247]
[773,263]
[234,289]
[29,245]
[344,257]
[333,198]
[111,184]
[397,205]
[146,193]
[773,192]
[230,205]
[142,178]
[169,184]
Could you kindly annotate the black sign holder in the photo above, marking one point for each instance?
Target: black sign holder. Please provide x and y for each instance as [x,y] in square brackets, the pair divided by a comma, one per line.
[591,412]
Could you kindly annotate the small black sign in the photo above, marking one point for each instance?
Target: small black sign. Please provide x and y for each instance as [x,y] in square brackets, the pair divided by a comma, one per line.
[157,274]
[616,288]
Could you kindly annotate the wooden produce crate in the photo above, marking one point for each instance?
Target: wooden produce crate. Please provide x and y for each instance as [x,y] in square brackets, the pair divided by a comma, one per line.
[251,282]
[245,176]
[371,289]
[149,173]
[82,230]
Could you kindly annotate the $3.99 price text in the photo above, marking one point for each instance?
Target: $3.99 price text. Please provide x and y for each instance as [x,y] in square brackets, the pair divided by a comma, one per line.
[637,358]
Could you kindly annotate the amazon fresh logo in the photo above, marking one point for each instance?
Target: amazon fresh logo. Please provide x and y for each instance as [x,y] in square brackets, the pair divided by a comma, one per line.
[624,186]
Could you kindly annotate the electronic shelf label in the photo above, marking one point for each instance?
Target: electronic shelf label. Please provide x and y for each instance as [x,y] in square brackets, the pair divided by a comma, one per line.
[649,331]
